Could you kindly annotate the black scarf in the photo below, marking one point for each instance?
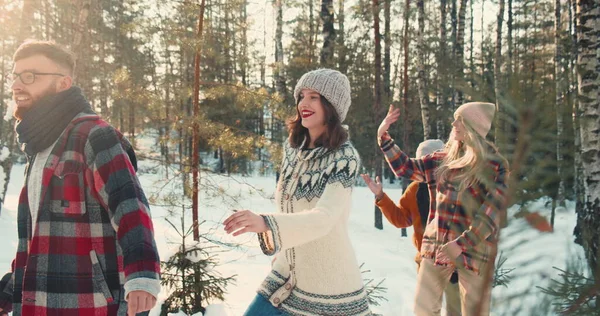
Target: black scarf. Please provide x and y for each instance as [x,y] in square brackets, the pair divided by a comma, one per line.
[47,119]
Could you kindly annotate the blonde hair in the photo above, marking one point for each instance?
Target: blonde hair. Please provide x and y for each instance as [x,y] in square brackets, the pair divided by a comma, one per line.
[466,160]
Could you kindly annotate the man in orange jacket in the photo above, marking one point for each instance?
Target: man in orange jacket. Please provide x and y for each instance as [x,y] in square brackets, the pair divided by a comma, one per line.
[413,210]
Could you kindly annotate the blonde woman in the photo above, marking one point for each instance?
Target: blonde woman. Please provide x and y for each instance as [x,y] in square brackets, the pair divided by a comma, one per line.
[468,182]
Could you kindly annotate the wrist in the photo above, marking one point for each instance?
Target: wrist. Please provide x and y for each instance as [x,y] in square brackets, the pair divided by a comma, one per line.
[379,196]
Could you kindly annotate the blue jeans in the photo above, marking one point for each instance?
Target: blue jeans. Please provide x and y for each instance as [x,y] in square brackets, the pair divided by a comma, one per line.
[260,306]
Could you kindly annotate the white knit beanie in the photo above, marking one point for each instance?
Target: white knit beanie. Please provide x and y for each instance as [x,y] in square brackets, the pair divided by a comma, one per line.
[478,115]
[331,84]
[429,147]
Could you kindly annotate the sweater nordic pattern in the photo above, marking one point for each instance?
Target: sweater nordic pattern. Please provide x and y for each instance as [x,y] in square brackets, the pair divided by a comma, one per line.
[315,270]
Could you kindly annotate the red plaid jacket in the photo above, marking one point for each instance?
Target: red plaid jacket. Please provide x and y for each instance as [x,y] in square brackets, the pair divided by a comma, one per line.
[93,232]
[471,217]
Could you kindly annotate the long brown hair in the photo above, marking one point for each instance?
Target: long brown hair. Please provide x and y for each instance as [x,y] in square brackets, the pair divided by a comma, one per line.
[334,136]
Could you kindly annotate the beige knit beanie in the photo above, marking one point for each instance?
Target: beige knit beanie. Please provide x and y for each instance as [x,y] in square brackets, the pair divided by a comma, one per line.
[331,84]
[478,115]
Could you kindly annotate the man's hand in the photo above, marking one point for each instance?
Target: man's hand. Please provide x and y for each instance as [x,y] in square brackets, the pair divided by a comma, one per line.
[375,186]
[246,222]
[138,301]
[391,117]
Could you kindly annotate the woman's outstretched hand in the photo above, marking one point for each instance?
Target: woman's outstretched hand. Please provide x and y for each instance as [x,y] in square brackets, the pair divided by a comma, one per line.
[246,222]
[375,186]
[392,116]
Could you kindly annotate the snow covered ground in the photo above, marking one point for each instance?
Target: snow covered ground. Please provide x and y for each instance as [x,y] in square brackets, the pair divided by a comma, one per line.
[385,253]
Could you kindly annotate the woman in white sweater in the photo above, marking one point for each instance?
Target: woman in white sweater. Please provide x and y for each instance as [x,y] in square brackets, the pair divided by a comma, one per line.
[315,271]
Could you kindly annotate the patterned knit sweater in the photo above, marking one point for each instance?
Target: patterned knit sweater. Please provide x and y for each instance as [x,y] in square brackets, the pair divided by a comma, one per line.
[315,271]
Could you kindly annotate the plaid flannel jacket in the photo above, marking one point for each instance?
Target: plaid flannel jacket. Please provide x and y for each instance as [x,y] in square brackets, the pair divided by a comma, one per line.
[471,218]
[93,232]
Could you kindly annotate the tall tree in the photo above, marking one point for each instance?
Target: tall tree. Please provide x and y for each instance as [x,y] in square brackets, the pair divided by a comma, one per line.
[460,52]
[423,99]
[341,38]
[509,39]
[27,14]
[498,75]
[81,26]
[387,57]
[578,172]
[442,58]
[559,102]
[452,61]
[405,80]
[196,141]
[588,77]
[328,33]
[278,70]
[377,103]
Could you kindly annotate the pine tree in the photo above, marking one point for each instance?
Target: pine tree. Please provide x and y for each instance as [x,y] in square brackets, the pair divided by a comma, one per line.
[190,274]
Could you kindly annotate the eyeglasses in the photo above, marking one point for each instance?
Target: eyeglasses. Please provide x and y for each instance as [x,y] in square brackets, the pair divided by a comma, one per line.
[28,77]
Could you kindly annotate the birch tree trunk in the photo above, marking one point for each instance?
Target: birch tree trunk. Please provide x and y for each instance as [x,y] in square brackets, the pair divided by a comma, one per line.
[588,72]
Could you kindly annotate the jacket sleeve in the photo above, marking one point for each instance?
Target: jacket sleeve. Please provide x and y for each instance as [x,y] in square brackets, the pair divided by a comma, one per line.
[487,218]
[401,215]
[291,230]
[117,188]
[420,170]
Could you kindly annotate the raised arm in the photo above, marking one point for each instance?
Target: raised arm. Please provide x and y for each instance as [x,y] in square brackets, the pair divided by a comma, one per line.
[420,170]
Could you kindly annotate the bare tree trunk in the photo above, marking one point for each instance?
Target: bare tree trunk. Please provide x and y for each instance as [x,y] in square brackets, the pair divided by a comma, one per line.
[328,33]
[509,40]
[405,80]
[423,99]
[244,49]
[29,9]
[452,62]
[6,138]
[471,44]
[560,98]
[387,56]
[442,71]
[574,87]
[311,27]
[500,139]
[377,103]
[481,42]
[280,84]
[196,136]
[278,70]
[81,27]
[3,105]
[47,7]
[132,108]
[460,52]
[588,66]
[166,124]
[341,38]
